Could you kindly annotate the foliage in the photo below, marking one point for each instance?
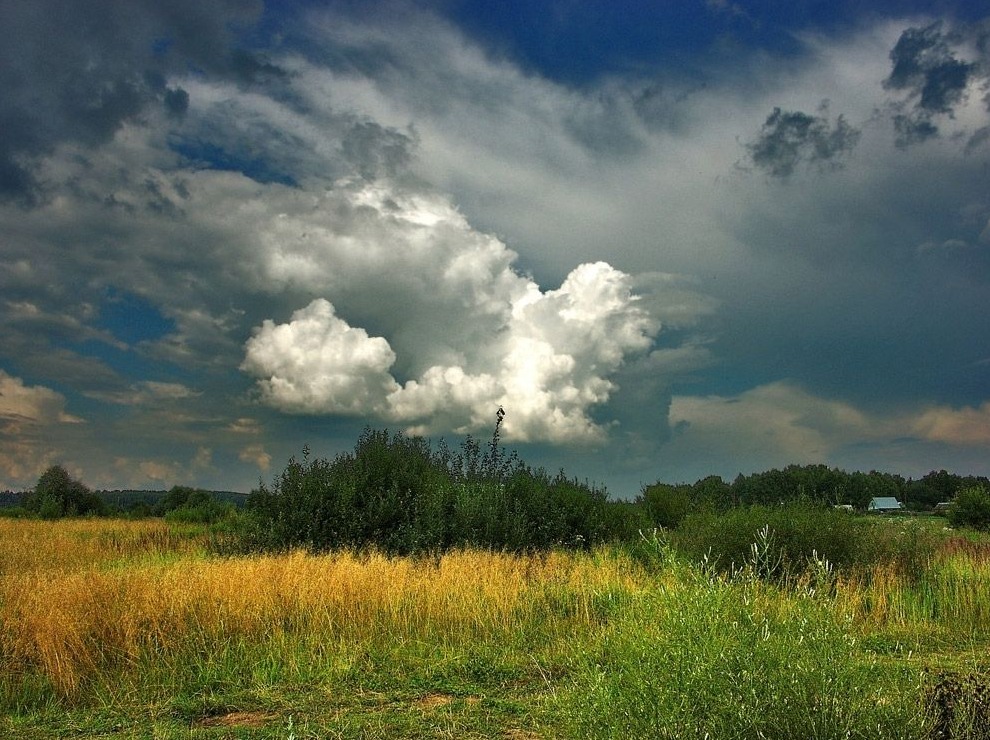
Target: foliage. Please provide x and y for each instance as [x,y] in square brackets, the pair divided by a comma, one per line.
[666,505]
[801,532]
[57,494]
[817,483]
[971,508]
[724,539]
[192,506]
[400,495]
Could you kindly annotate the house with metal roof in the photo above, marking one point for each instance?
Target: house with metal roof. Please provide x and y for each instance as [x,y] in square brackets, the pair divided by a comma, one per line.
[884,505]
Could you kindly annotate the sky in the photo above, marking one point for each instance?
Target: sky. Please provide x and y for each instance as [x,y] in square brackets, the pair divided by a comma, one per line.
[670,239]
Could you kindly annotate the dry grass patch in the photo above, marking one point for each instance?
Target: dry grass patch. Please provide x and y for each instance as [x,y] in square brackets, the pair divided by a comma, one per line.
[236,719]
[76,623]
[29,546]
[433,701]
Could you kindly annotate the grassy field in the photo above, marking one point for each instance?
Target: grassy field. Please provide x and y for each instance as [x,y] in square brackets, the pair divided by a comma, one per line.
[133,629]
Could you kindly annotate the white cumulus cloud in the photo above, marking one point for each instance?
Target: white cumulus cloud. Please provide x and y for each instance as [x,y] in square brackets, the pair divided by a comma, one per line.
[24,404]
[318,363]
[547,359]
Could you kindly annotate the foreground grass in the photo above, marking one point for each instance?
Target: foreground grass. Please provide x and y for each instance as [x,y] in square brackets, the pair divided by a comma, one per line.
[124,629]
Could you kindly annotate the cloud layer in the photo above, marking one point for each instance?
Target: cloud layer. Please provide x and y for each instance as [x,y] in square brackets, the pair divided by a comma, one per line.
[547,356]
[756,257]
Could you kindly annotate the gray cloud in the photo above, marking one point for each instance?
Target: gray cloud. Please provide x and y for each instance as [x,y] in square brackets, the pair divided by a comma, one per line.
[27,416]
[926,68]
[107,68]
[428,194]
[789,138]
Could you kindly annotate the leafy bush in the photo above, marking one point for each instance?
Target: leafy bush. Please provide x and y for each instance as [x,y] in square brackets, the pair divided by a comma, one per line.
[206,512]
[800,532]
[971,508]
[192,506]
[666,505]
[400,495]
[57,494]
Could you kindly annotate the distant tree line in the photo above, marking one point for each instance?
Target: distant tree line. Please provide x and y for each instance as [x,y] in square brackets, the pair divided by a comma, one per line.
[667,504]
[402,494]
[57,494]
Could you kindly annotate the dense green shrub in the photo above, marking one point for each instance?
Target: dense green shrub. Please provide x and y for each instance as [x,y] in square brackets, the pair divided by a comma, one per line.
[971,508]
[192,506]
[666,505]
[400,495]
[57,494]
[798,533]
[206,512]
[793,535]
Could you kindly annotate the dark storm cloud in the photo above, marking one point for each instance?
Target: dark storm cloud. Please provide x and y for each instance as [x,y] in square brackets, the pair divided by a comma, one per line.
[176,102]
[234,137]
[935,80]
[78,72]
[978,139]
[251,68]
[913,129]
[789,138]
[375,151]
[926,67]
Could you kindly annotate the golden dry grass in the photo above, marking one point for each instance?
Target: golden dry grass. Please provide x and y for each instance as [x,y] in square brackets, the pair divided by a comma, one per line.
[82,600]
[72,619]
[29,545]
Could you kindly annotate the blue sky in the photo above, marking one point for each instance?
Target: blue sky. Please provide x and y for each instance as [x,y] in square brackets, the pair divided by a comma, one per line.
[671,239]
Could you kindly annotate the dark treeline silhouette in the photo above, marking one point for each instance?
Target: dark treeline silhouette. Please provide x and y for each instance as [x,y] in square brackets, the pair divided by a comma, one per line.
[57,495]
[667,504]
[402,495]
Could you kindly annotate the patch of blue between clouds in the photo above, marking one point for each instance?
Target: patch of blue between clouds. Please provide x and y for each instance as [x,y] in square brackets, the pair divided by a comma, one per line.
[577,42]
[207,155]
[132,319]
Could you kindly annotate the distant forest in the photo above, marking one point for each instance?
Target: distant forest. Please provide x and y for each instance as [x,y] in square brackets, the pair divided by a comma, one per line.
[822,484]
[813,482]
[129,498]
[404,495]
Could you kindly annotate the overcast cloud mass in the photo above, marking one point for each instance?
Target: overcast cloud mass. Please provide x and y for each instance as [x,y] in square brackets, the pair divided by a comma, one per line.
[669,245]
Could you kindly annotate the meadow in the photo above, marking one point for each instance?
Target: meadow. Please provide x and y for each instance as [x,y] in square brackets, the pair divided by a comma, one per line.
[116,628]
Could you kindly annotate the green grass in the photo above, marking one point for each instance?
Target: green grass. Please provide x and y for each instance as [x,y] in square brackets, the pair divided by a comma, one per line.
[607,644]
[719,659]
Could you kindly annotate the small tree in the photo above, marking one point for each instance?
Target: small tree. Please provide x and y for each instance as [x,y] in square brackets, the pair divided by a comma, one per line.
[58,494]
[667,505]
[971,508]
